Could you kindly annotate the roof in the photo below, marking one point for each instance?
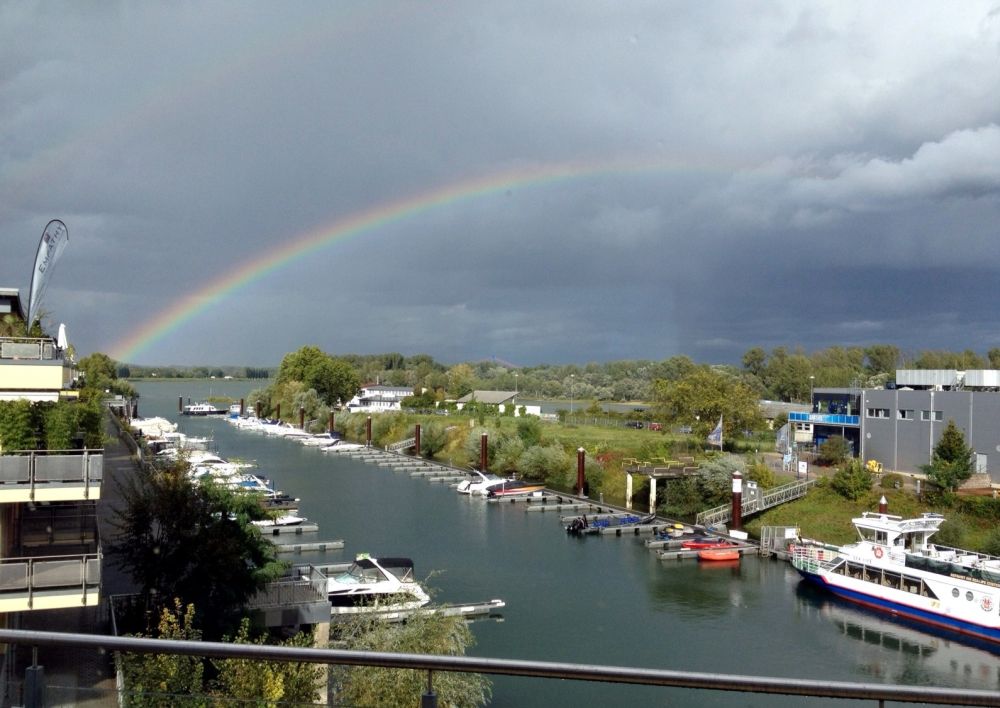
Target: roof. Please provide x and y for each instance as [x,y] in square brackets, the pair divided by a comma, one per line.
[491,397]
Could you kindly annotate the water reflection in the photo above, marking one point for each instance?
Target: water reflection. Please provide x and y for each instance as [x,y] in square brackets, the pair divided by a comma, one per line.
[901,651]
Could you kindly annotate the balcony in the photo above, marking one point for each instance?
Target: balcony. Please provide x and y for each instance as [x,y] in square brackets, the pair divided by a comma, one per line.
[49,582]
[299,598]
[825,419]
[51,476]
[34,369]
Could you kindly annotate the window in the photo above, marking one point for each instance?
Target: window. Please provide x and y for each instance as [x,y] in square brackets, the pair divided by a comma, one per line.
[878,412]
[932,415]
[905,414]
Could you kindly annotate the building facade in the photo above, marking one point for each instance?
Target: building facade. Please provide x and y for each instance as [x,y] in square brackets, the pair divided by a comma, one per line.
[900,425]
[50,555]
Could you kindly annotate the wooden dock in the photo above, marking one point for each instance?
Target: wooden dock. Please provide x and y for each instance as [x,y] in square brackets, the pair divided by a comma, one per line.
[297,530]
[693,553]
[314,546]
[487,608]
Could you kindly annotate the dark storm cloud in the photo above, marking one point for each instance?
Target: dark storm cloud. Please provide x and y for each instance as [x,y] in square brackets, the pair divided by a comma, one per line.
[758,174]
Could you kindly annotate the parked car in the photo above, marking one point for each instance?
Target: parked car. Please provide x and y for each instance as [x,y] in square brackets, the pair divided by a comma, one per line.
[634,424]
[655,426]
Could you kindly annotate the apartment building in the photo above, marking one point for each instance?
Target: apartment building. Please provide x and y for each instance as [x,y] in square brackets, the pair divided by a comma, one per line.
[50,555]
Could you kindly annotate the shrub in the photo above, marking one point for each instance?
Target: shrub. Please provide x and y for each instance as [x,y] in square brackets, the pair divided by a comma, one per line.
[833,451]
[951,533]
[891,481]
[852,481]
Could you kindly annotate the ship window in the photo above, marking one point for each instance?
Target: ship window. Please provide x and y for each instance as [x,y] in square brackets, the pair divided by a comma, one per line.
[968,595]
[954,592]
[891,580]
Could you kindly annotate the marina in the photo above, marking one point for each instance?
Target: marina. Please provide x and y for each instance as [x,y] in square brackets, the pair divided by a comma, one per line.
[677,615]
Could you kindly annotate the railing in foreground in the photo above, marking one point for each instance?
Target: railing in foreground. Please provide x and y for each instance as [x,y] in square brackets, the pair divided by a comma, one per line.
[516,667]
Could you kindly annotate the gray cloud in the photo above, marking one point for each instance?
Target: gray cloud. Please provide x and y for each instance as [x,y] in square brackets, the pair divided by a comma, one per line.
[766,173]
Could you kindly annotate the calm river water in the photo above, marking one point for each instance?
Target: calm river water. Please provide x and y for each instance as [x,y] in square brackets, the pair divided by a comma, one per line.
[592,600]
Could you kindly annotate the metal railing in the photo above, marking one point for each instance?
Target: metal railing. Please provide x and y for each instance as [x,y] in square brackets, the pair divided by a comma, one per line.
[772,497]
[34,468]
[31,348]
[29,575]
[516,667]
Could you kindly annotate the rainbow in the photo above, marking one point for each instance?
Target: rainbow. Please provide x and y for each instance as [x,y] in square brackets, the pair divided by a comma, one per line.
[191,306]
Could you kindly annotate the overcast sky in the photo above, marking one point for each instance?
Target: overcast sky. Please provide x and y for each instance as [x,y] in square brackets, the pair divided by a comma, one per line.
[663,178]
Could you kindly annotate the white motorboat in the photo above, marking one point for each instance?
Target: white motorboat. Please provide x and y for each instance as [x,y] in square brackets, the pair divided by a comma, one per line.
[202,409]
[341,446]
[373,585]
[479,483]
[283,520]
[320,440]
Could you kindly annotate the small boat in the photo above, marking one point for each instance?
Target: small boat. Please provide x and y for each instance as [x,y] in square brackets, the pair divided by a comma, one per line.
[283,520]
[203,409]
[894,568]
[375,585]
[719,554]
[479,483]
[581,525]
[698,544]
[515,488]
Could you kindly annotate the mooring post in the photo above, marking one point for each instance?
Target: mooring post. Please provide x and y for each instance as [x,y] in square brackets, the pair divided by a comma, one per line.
[482,453]
[302,418]
[580,479]
[368,431]
[180,404]
[737,514]
[652,494]
[257,409]
[242,408]
[416,439]
[628,491]
[330,424]
[277,412]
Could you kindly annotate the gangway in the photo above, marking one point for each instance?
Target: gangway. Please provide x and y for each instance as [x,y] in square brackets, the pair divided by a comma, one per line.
[401,445]
[766,500]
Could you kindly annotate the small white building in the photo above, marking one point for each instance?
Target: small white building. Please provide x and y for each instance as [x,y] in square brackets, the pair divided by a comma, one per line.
[500,399]
[376,398]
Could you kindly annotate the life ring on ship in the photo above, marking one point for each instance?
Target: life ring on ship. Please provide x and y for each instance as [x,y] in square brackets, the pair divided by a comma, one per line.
[877,551]
[986,603]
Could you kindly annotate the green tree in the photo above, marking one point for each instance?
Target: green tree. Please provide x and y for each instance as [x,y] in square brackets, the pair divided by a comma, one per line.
[700,397]
[423,634]
[266,683]
[882,359]
[17,429]
[183,539]
[335,380]
[165,680]
[755,361]
[433,438]
[952,462]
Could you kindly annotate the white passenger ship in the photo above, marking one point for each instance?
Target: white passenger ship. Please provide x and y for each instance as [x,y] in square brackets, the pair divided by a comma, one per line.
[894,568]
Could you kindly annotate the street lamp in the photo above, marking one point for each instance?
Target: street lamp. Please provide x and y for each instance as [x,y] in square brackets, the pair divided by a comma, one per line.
[812,407]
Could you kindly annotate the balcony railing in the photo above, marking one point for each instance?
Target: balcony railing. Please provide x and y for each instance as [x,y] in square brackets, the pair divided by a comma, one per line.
[40,349]
[825,418]
[51,469]
[30,576]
